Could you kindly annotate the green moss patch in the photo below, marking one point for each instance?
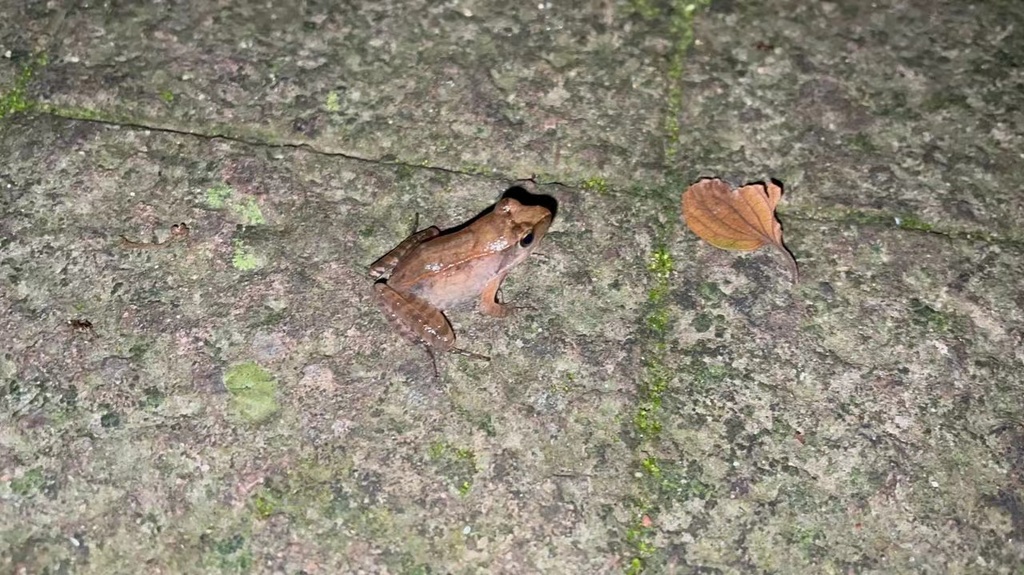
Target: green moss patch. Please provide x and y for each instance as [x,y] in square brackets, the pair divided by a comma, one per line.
[253,392]
[456,465]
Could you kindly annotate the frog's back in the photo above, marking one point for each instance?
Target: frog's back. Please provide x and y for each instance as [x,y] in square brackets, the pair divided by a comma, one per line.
[449,284]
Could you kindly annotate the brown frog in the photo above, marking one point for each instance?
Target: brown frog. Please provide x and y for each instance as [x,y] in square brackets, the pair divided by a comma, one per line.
[429,272]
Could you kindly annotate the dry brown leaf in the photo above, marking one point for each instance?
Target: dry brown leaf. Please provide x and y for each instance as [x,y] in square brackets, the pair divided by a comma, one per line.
[741,219]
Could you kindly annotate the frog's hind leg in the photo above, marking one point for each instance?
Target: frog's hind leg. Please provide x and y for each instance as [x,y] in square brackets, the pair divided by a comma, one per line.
[386,264]
[416,320]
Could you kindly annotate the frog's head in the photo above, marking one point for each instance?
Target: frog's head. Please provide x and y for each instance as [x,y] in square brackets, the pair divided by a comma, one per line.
[523,228]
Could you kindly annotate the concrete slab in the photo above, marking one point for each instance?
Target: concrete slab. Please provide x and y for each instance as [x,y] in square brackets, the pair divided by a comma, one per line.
[230,400]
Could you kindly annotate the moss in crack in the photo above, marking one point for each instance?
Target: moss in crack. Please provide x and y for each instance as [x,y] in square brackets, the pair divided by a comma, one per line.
[651,467]
[405,172]
[647,417]
[913,223]
[680,17]
[683,12]
[77,113]
[14,100]
[659,480]
[854,217]
[473,169]
[638,537]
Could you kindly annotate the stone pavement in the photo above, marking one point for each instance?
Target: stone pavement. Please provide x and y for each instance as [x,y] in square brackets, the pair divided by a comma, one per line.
[233,402]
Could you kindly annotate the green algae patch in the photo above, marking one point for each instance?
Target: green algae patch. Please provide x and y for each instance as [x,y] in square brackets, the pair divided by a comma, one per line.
[153,398]
[110,419]
[229,553]
[244,259]
[248,211]
[244,209]
[253,392]
[332,104]
[29,483]
[457,466]
[925,315]
[266,502]
[596,184]
[218,195]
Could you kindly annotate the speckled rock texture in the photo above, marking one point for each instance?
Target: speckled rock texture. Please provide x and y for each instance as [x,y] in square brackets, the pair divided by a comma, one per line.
[230,400]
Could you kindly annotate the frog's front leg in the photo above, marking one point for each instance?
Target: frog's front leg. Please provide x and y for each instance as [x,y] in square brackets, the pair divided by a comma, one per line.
[386,264]
[489,299]
[416,320]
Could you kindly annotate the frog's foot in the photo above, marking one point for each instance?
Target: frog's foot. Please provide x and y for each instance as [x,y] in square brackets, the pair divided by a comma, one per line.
[469,354]
[433,361]
[462,352]
[489,304]
[495,309]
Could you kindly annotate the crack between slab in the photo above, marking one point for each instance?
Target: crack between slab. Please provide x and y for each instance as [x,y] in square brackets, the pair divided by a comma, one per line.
[879,220]
[284,145]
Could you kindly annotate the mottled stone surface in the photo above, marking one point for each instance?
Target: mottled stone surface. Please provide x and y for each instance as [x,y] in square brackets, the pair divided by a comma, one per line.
[232,401]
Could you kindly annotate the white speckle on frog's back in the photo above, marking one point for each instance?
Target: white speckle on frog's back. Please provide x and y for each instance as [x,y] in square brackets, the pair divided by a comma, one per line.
[432,267]
[497,245]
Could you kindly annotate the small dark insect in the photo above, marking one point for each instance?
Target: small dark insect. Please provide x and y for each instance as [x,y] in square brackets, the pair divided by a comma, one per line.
[81,326]
[764,46]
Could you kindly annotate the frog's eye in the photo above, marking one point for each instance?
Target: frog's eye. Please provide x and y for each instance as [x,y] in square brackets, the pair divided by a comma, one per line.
[526,240]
